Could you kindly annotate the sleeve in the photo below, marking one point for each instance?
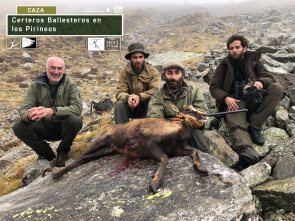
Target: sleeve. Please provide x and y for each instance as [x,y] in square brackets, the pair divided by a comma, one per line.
[156,107]
[122,87]
[216,85]
[75,105]
[153,87]
[29,101]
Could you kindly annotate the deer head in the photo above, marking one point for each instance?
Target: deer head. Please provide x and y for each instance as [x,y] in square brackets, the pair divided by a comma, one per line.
[193,117]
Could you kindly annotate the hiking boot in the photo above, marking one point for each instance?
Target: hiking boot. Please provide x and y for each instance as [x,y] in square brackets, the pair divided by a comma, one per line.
[102,105]
[256,136]
[246,160]
[61,160]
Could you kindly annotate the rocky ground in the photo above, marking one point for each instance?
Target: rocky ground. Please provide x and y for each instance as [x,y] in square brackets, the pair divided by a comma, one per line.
[196,37]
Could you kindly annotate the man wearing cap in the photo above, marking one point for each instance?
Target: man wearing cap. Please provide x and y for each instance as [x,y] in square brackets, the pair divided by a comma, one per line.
[138,81]
[175,90]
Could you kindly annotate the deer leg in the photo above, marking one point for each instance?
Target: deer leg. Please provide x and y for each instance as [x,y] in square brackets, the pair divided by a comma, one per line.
[197,162]
[83,159]
[194,154]
[157,179]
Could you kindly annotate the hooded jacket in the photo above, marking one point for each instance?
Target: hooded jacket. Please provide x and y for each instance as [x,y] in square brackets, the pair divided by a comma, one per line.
[159,104]
[224,74]
[145,84]
[68,100]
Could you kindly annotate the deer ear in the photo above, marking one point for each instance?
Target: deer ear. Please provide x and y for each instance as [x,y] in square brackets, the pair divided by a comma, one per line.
[173,107]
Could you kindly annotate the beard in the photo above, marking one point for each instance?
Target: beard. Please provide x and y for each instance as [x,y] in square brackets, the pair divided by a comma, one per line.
[137,67]
[174,85]
[238,57]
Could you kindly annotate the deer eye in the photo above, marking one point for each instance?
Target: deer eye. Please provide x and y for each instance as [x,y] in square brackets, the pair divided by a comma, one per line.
[187,109]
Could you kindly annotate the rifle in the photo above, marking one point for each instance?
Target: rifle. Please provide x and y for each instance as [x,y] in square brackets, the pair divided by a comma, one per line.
[226,112]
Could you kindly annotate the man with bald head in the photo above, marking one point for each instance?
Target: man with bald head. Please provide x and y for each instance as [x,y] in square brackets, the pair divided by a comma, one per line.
[50,111]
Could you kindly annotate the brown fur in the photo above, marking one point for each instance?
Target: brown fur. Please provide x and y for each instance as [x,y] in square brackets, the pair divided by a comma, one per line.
[145,138]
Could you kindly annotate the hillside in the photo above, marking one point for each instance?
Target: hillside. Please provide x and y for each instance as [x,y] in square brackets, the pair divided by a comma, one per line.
[161,28]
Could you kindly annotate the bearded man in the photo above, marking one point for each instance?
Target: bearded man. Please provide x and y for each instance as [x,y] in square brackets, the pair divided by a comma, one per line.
[176,90]
[240,68]
[138,81]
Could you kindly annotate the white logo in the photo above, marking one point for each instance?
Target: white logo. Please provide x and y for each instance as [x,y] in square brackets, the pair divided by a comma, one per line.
[95,44]
[29,42]
[13,43]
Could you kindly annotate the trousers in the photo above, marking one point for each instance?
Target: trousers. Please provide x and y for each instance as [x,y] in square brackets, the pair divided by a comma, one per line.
[256,116]
[198,141]
[34,134]
[123,112]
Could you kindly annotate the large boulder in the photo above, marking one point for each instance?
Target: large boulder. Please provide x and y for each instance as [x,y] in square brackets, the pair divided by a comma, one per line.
[116,188]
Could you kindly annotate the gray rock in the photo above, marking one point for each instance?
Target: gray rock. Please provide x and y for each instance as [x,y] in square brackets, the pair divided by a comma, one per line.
[220,149]
[285,167]
[84,70]
[284,58]
[115,188]
[265,59]
[271,122]
[267,49]
[279,149]
[34,170]
[282,118]
[291,40]
[26,57]
[290,128]
[278,194]
[285,103]
[272,136]
[276,70]
[12,156]
[255,174]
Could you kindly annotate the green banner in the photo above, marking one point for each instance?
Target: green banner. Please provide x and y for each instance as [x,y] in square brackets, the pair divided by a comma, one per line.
[36,9]
[65,25]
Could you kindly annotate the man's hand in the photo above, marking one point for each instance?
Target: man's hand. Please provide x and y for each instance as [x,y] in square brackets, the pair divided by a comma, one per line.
[37,113]
[133,100]
[258,84]
[231,103]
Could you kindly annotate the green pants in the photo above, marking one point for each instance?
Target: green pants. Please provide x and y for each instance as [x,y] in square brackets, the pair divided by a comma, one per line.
[256,116]
[123,112]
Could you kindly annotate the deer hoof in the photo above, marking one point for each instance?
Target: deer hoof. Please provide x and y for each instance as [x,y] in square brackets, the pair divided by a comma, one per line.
[55,175]
[153,188]
[201,169]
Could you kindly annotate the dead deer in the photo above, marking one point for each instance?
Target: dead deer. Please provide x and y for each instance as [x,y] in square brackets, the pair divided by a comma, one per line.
[146,138]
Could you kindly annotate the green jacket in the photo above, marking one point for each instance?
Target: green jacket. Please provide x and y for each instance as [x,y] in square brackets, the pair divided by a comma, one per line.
[224,74]
[146,84]
[68,100]
[159,103]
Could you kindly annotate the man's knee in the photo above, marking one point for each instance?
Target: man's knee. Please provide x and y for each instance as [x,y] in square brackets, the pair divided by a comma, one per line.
[18,128]
[276,90]
[120,106]
[73,122]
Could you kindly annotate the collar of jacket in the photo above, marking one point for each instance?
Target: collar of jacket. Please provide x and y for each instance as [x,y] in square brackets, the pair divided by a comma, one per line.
[252,56]
[43,79]
[175,96]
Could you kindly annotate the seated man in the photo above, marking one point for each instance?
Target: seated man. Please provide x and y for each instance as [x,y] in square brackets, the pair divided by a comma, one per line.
[232,73]
[175,90]
[138,81]
[50,111]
